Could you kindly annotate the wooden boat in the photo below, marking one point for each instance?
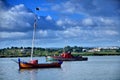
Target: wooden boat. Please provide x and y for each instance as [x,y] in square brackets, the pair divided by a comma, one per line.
[34,63]
[66,57]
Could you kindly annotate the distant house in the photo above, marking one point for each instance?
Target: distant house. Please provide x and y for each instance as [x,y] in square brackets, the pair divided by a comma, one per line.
[112,47]
[94,50]
[84,50]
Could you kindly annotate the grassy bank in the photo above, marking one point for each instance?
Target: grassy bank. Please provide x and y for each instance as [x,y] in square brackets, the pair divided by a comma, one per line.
[96,54]
[25,52]
[73,53]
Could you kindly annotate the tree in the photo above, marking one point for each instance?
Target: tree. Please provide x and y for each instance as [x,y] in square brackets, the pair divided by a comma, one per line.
[118,50]
[77,49]
[67,48]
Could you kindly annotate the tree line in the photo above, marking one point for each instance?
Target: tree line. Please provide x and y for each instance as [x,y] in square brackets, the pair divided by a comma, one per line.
[38,51]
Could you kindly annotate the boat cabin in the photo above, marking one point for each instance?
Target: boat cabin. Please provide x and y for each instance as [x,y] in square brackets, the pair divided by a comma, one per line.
[66,55]
[34,62]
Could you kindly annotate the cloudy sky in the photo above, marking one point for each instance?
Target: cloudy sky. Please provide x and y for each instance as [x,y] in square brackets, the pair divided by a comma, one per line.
[60,22]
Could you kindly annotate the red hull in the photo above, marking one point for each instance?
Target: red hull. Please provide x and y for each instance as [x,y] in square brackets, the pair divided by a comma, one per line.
[57,58]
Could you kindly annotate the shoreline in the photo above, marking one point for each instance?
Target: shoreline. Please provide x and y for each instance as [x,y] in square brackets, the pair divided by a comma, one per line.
[12,56]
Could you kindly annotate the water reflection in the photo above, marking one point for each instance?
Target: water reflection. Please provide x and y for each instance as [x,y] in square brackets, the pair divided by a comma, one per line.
[31,73]
[36,74]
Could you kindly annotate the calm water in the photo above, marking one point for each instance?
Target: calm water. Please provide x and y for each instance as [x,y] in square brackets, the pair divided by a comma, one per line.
[96,68]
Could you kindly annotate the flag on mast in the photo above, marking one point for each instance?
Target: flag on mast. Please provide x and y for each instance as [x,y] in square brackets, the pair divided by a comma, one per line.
[37,8]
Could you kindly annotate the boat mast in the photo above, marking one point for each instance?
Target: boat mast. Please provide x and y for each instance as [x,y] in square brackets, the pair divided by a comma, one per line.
[34,30]
[33,40]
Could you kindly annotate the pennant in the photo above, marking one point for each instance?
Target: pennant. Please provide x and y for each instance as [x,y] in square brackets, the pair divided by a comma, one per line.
[37,8]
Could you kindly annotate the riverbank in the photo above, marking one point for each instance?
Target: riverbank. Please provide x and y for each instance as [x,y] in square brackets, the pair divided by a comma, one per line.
[38,52]
[73,53]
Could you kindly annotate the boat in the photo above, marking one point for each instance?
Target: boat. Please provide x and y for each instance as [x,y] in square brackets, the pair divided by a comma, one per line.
[34,63]
[66,56]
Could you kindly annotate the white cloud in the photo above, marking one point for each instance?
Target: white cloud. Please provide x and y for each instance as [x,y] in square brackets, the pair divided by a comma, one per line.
[118,41]
[18,8]
[107,21]
[87,21]
[43,33]
[111,32]
[16,16]
[90,27]
[48,18]
[59,22]
[69,32]
[101,33]
[66,22]
[68,7]
[101,22]
[84,34]
[11,34]
[91,8]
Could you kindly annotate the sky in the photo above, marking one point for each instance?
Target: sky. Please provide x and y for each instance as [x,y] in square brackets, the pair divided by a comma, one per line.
[86,23]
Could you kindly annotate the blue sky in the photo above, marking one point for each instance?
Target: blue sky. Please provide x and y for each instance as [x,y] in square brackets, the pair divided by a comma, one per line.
[90,23]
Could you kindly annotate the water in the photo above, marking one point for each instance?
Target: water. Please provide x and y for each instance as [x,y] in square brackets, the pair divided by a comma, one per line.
[96,68]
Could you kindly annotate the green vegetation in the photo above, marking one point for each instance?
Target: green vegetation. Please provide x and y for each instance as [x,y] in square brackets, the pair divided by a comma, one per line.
[84,51]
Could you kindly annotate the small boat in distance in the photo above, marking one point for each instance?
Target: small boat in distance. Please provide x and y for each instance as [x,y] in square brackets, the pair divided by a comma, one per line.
[34,63]
[66,56]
